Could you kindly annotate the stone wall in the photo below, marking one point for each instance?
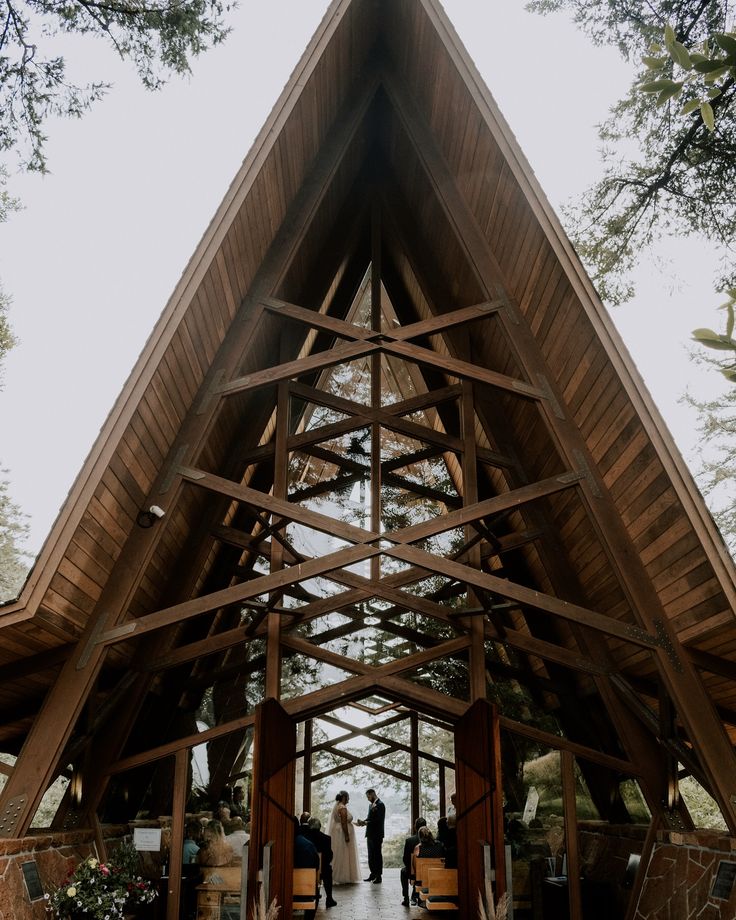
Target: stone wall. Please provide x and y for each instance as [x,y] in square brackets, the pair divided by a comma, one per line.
[54,854]
[604,855]
[680,875]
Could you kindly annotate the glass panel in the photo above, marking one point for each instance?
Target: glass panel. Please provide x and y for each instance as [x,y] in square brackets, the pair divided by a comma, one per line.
[703,808]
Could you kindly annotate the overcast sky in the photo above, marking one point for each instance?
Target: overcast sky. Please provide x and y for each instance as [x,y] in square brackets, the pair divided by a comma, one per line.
[102,240]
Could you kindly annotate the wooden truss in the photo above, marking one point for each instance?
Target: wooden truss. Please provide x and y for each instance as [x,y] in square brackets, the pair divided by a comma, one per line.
[368,508]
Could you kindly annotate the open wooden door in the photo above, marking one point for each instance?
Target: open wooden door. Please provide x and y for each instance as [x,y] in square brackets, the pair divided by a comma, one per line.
[272,807]
[479,803]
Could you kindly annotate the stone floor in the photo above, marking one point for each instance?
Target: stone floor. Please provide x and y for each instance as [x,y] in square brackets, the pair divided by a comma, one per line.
[366,901]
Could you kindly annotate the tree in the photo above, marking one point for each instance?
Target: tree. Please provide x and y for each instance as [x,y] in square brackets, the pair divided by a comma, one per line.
[717,457]
[158,36]
[13,527]
[13,559]
[7,339]
[679,177]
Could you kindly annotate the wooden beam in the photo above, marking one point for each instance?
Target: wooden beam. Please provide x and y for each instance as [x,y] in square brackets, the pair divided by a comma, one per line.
[678,673]
[405,663]
[51,730]
[558,743]
[178,807]
[235,594]
[350,331]
[524,595]
[569,805]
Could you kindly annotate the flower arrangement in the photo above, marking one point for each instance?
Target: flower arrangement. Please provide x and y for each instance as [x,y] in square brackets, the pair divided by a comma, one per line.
[102,891]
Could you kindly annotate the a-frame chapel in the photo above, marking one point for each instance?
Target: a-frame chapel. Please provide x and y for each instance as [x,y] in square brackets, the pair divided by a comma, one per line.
[384,475]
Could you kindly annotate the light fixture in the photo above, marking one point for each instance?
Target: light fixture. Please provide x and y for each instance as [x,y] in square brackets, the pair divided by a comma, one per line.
[148,518]
[75,787]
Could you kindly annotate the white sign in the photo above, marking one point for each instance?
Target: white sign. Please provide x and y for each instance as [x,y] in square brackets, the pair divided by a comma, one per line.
[530,808]
[147,839]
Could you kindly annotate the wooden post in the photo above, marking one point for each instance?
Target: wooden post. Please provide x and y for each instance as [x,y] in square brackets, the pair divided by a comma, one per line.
[307,771]
[280,488]
[376,379]
[479,800]
[178,808]
[567,762]
[470,497]
[443,791]
[416,792]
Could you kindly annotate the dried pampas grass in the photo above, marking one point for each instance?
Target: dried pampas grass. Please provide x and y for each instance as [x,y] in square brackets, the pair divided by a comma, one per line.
[487,910]
[261,912]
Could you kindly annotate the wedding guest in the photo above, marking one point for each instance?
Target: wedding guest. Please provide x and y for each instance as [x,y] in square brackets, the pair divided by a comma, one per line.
[407,874]
[346,867]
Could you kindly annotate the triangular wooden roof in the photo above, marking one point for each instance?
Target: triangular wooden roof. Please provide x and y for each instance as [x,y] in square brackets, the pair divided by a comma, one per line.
[588,551]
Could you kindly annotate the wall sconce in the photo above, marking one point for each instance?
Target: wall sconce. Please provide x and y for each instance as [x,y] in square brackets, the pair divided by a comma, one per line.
[75,787]
[148,518]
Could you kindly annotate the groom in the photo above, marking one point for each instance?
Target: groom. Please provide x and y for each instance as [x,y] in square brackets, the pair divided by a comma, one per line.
[374,835]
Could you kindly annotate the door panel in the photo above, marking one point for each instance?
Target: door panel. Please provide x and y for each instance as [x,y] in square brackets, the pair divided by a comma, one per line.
[272,810]
[479,802]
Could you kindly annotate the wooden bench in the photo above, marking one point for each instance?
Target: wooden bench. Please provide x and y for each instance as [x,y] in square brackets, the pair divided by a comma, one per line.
[304,891]
[422,865]
[219,892]
[441,889]
[220,889]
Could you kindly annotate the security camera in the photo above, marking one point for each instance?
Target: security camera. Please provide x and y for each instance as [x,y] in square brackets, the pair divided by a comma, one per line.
[148,518]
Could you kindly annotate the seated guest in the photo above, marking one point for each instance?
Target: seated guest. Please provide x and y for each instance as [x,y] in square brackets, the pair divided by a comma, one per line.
[192,837]
[225,818]
[427,848]
[305,857]
[215,850]
[406,870]
[237,806]
[323,843]
[304,819]
[237,837]
[447,836]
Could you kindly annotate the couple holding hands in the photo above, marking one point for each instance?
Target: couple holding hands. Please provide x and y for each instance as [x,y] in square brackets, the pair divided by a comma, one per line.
[345,864]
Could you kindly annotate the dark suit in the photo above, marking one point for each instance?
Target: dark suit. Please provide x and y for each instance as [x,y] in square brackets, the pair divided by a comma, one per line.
[323,844]
[374,833]
[305,857]
[406,873]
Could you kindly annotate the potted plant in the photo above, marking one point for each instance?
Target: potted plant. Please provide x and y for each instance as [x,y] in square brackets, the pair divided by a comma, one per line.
[96,890]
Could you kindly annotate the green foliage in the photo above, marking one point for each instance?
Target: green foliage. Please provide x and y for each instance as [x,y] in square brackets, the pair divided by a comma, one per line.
[158,36]
[7,339]
[681,111]
[713,340]
[717,456]
[13,530]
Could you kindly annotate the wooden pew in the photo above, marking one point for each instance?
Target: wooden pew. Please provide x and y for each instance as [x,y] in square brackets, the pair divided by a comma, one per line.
[422,865]
[441,889]
[304,895]
[219,890]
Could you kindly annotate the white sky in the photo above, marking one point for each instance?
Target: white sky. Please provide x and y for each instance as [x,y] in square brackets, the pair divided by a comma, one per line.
[101,242]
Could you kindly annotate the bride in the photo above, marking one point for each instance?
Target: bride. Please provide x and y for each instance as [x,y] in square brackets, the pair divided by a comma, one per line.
[345,867]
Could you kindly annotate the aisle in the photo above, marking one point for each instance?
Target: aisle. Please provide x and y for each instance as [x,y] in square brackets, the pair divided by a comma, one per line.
[365,901]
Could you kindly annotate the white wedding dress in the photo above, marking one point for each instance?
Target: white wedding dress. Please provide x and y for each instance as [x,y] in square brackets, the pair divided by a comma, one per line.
[345,865]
